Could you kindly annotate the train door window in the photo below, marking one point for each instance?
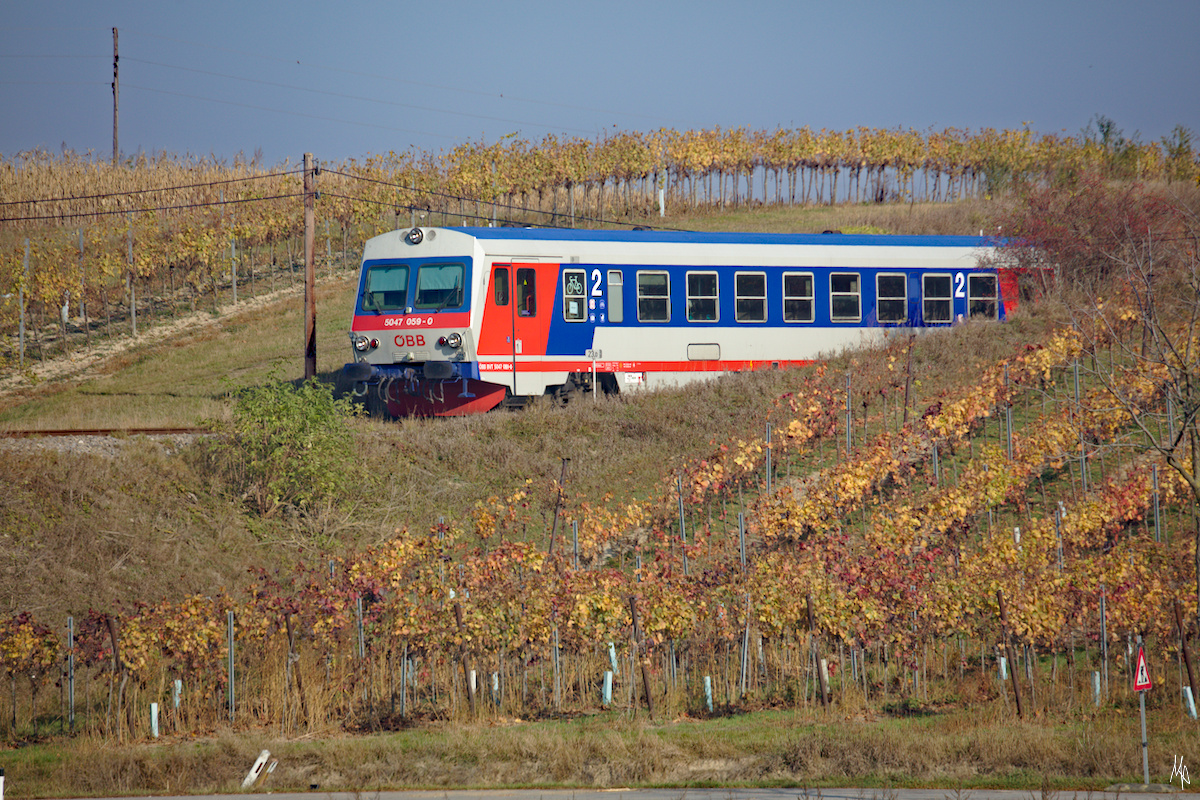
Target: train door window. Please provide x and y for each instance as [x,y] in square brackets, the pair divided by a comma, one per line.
[574,295]
[891,298]
[439,286]
[702,297]
[616,296]
[526,292]
[936,308]
[654,297]
[797,297]
[981,296]
[500,286]
[751,291]
[845,297]
[386,288]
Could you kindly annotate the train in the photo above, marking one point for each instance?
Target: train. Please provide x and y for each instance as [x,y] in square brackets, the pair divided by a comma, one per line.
[461,320]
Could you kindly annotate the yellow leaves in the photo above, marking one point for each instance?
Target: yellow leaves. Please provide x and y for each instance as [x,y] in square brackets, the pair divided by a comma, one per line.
[26,646]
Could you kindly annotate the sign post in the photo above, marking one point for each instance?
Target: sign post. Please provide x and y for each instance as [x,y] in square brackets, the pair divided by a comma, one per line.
[1141,685]
[594,355]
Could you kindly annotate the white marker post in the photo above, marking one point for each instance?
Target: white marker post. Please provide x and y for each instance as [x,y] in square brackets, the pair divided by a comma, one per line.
[1141,685]
[256,770]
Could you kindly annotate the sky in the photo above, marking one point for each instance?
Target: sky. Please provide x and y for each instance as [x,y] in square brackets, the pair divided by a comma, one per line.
[347,80]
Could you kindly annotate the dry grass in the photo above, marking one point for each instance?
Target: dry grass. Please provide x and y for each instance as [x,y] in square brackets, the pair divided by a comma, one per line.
[954,750]
[181,373]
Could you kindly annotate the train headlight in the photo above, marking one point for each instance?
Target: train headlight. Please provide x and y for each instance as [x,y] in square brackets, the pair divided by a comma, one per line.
[453,340]
[362,344]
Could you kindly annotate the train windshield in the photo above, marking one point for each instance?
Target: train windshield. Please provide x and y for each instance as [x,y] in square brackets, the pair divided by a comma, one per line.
[386,288]
[440,286]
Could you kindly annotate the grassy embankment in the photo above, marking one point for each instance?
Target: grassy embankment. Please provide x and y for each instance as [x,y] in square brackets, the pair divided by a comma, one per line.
[145,526]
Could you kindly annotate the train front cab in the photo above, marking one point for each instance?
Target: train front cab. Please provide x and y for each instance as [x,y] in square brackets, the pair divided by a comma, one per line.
[412,336]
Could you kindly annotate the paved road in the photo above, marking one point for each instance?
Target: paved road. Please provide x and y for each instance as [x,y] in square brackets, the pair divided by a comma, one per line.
[1130,793]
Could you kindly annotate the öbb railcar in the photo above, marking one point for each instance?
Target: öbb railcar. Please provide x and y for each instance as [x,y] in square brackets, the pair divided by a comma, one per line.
[453,321]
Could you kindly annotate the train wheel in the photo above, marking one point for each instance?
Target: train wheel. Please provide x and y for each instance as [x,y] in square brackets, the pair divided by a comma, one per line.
[565,393]
[608,384]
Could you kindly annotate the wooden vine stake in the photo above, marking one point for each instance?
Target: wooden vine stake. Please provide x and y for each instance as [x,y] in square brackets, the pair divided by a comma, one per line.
[1187,655]
[816,653]
[462,650]
[1008,649]
[121,669]
[638,645]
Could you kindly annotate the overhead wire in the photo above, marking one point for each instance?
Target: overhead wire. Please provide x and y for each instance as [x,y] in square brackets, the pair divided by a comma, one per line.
[180,187]
[126,85]
[180,207]
[394,79]
[344,96]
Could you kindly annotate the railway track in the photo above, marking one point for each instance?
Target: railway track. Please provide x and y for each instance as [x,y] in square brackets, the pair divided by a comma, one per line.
[28,434]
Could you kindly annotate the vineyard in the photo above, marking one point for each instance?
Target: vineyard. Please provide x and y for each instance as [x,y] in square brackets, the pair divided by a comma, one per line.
[915,530]
[866,549]
[84,242]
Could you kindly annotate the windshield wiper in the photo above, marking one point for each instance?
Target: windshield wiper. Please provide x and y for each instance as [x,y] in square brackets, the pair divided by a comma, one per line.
[454,294]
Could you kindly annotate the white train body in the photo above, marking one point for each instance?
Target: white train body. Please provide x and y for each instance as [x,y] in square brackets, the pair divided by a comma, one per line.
[454,320]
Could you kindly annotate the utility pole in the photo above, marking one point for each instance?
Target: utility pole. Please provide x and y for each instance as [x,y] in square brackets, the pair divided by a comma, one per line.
[310,273]
[116,87]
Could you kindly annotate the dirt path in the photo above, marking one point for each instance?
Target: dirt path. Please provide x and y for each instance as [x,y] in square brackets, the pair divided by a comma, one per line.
[38,373]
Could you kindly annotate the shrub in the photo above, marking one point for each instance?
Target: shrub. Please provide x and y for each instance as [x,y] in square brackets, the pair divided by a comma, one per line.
[288,446]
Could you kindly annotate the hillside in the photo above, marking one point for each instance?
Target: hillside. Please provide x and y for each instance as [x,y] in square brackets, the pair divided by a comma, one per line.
[972,471]
[182,372]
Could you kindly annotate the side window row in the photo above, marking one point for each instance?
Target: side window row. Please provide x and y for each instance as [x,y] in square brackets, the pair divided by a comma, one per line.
[799,298]
[938,291]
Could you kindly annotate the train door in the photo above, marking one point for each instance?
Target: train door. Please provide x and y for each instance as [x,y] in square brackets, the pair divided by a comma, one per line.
[517,323]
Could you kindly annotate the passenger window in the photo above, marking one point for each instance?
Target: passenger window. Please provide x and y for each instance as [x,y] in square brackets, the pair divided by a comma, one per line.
[654,297]
[616,296]
[936,307]
[574,295]
[702,297]
[526,292]
[891,298]
[845,297]
[797,297]
[500,285]
[981,296]
[751,291]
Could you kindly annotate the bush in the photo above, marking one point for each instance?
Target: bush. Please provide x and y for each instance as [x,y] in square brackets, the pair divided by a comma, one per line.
[289,446]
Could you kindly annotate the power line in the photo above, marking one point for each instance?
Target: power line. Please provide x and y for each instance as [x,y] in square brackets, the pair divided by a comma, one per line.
[51,55]
[284,111]
[462,199]
[344,96]
[407,82]
[149,191]
[181,207]
[53,83]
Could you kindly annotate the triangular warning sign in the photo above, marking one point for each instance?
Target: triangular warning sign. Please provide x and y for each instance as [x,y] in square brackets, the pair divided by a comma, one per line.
[1141,678]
